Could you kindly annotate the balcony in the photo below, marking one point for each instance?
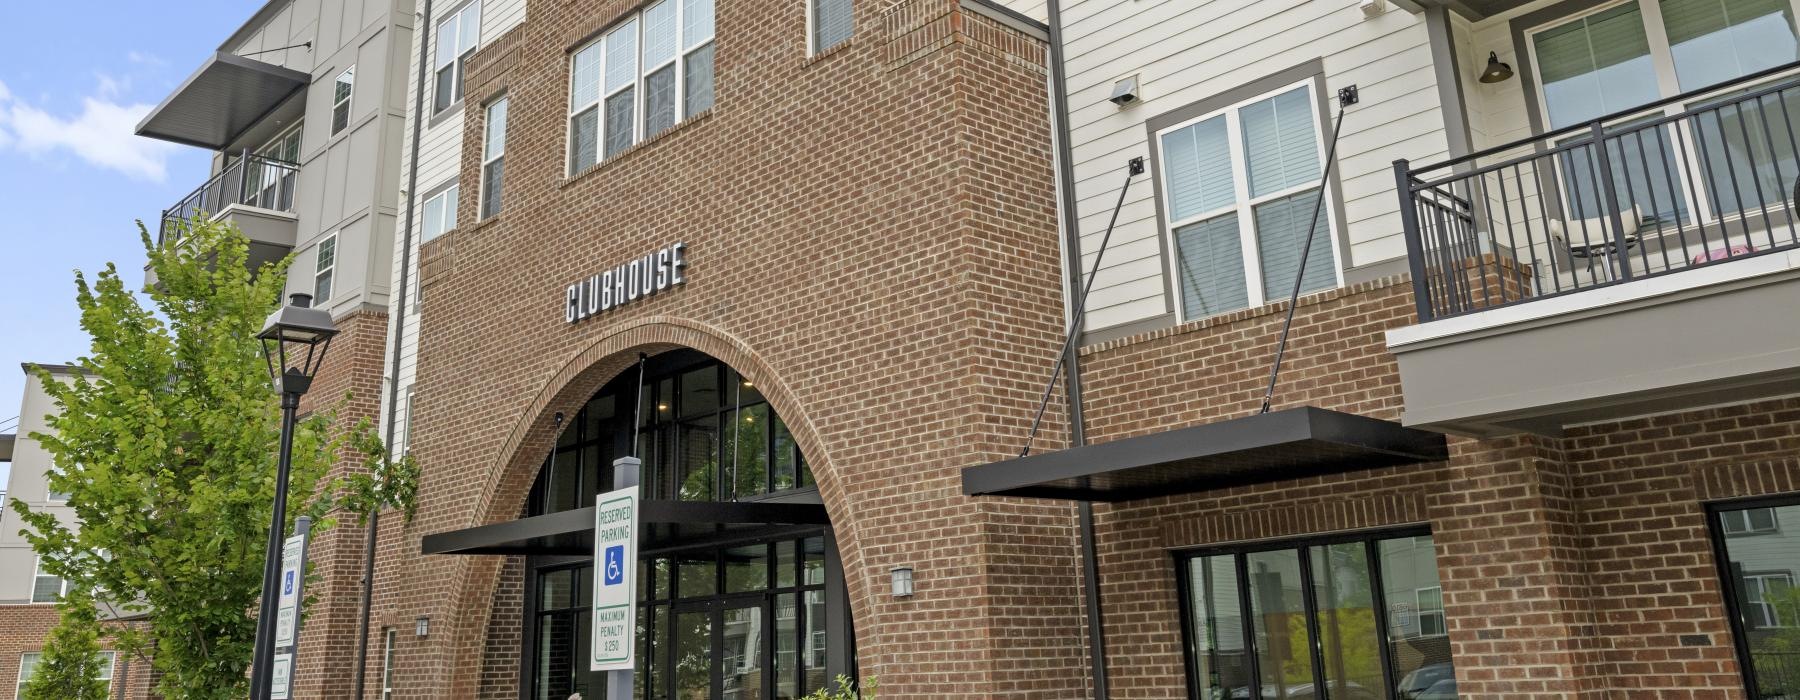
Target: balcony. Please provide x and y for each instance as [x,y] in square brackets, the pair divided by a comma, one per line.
[255,193]
[1644,261]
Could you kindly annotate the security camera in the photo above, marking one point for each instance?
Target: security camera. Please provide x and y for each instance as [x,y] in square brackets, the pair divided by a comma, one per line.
[1124,92]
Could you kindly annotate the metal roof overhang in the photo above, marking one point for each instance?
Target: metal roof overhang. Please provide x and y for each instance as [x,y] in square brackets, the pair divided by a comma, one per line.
[668,525]
[1289,444]
[227,95]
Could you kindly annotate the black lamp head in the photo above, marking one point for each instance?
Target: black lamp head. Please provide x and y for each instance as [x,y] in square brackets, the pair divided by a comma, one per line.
[1496,71]
[299,325]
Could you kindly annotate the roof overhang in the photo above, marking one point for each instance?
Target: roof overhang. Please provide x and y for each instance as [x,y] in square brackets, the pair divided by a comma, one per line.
[226,96]
[667,525]
[1289,444]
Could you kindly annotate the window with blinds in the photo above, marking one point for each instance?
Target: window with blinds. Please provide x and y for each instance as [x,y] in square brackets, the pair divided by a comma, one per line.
[831,23]
[1619,56]
[641,77]
[1239,187]
[493,158]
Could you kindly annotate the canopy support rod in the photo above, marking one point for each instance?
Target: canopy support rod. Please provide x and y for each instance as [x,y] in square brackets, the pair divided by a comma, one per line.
[1133,168]
[1346,97]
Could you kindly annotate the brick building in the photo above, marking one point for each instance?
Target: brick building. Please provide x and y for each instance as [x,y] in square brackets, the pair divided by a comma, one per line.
[811,263]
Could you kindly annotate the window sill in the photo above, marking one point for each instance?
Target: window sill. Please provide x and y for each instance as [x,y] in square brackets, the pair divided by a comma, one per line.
[439,116]
[639,146]
[820,56]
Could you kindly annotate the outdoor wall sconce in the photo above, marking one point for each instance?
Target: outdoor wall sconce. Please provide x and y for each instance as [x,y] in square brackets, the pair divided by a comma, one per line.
[1496,71]
[903,581]
[423,626]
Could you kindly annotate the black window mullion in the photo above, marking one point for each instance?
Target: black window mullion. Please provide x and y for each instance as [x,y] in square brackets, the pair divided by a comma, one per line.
[1378,601]
[1310,604]
[1184,593]
[1249,625]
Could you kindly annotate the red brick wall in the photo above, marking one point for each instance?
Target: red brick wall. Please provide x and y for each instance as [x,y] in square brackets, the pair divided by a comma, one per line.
[1571,567]
[349,383]
[871,238]
[23,628]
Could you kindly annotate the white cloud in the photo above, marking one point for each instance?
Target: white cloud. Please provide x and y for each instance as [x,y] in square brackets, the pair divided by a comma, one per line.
[102,134]
[145,59]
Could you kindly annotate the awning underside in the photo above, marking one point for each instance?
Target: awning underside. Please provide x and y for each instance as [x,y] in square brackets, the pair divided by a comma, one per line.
[666,525]
[228,95]
[1289,444]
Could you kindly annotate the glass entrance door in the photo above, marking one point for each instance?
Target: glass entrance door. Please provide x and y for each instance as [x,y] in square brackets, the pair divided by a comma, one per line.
[743,653]
[720,650]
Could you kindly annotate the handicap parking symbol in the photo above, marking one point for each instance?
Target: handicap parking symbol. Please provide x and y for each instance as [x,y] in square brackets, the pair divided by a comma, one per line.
[615,565]
[287,584]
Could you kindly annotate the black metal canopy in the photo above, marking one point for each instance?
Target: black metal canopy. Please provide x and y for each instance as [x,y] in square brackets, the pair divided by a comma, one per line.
[227,95]
[1289,444]
[667,525]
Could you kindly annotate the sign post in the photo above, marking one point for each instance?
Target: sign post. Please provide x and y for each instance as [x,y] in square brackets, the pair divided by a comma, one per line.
[287,611]
[615,580]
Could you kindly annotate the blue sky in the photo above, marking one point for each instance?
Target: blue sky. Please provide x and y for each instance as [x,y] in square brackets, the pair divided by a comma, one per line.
[75,78]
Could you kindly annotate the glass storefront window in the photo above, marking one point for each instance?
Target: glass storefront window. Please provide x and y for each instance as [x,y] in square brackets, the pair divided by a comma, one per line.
[744,621]
[705,433]
[1348,643]
[747,568]
[1760,557]
[1317,619]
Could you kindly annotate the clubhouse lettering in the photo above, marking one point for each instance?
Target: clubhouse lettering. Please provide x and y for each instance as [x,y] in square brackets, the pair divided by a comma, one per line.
[629,282]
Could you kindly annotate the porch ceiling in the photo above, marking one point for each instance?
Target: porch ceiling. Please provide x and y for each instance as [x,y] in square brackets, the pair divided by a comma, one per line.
[1475,9]
[226,96]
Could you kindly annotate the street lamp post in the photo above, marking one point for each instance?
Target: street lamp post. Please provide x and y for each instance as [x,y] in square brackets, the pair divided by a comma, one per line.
[307,331]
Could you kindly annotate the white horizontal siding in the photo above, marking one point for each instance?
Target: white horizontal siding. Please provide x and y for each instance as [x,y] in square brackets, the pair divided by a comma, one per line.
[1030,8]
[440,159]
[1185,51]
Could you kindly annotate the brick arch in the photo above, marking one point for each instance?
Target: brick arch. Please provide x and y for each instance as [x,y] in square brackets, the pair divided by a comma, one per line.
[533,434]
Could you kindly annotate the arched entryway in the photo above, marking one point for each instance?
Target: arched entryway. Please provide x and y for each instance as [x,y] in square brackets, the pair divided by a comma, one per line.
[742,595]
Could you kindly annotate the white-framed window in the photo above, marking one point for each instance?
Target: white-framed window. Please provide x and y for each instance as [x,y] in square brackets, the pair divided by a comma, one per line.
[493,158]
[29,660]
[458,35]
[50,493]
[341,90]
[107,659]
[389,638]
[1750,521]
[27,668]
[439,214]
[657,63]
[1762,594]
[828,23]
[1620,55]
[404,441]
[45,586]
[273,184]
[1430,604]
[1239,186]
[324,268]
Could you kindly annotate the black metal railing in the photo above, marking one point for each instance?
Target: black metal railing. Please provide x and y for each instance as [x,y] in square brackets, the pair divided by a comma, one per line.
[250,180]
[1777,673]
[1683,182]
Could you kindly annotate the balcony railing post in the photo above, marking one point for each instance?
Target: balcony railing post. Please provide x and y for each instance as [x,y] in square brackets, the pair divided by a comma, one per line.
[243,176]
[1415,245]
[1609,190]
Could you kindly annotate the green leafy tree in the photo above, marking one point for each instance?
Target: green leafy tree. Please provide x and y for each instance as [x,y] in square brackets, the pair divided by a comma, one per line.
[71,664]
[165,441]
[384,482]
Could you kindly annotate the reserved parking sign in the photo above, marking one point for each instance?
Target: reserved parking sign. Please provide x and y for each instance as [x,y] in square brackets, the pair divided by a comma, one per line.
[615,580]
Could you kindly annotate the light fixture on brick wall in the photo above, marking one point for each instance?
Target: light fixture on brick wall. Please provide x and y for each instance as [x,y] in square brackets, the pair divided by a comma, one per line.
[422,626]
[903,581]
